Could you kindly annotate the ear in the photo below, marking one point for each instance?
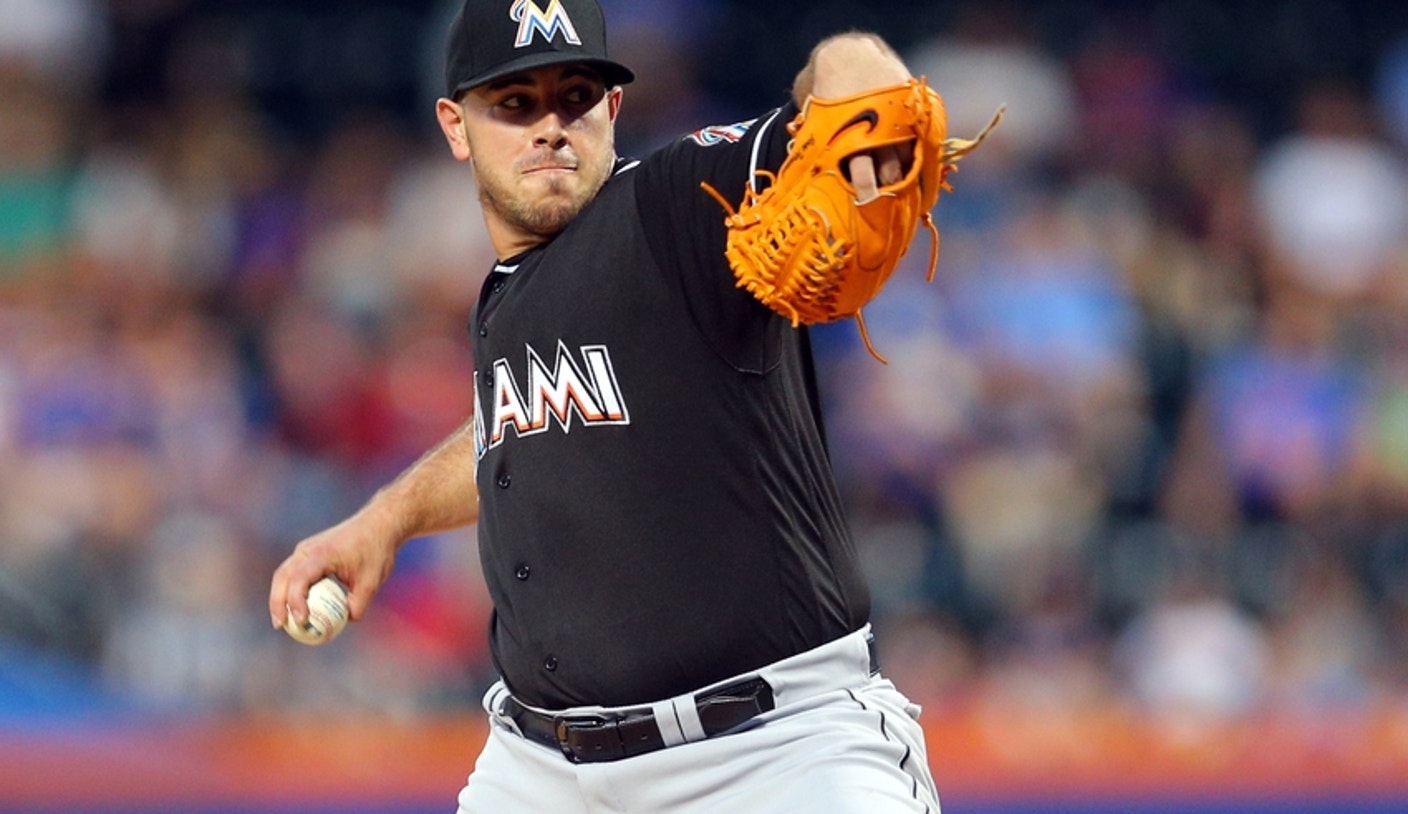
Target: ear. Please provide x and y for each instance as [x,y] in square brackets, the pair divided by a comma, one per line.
[451,118]
[613,101]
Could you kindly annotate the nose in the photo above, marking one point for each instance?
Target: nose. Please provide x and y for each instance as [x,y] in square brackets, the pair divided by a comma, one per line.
[551,132]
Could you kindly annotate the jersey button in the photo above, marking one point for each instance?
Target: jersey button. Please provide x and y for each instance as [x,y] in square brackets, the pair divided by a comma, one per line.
[550,663]
[504,481]
[523,573]
[483,329]
[498,286]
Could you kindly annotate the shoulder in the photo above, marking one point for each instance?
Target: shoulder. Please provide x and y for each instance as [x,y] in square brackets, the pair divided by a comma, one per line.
[720,142]
[724,155]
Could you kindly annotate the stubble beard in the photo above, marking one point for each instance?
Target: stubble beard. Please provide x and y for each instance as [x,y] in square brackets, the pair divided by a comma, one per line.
[548,213]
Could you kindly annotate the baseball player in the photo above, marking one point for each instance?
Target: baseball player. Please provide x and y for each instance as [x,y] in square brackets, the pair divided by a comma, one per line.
[679,619]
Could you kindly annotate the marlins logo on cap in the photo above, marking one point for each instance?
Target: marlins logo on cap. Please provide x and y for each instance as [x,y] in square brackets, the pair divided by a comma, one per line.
[532,20]
[490,39]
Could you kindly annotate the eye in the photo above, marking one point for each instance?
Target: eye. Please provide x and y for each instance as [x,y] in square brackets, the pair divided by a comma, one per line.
[584,95]
[514,101]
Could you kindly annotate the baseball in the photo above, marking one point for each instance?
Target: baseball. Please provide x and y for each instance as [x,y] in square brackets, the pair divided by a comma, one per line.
[327,613]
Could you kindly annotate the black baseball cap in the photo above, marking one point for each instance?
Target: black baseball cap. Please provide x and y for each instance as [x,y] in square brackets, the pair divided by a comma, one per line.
[493,38]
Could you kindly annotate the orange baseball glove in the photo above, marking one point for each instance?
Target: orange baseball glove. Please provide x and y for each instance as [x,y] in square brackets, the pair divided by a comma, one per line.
[804,246]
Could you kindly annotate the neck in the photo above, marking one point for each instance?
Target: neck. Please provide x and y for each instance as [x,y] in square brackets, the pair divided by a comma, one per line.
[510,241]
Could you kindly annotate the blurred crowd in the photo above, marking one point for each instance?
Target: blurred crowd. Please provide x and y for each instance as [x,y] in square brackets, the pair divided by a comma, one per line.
[1142,442]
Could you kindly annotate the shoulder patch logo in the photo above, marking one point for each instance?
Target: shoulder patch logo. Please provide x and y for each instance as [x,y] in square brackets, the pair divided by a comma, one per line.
[548,22]
[721,133]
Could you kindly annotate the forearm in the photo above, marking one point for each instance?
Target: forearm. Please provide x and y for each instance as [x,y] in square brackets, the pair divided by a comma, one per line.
[435,494]
[847,64]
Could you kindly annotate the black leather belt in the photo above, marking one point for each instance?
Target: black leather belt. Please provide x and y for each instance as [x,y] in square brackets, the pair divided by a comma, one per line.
[596,738]
[601,737]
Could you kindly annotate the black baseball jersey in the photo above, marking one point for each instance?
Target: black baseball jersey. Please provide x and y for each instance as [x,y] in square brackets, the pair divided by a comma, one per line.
[657,510]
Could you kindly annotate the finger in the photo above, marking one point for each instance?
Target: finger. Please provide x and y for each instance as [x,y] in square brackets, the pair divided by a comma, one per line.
[359,599]
[863,178]
[278,593]
[891,166]
[288,593]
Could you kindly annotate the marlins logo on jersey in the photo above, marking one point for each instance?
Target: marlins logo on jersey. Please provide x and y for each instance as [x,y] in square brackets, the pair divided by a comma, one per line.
[552,394]
[533,20]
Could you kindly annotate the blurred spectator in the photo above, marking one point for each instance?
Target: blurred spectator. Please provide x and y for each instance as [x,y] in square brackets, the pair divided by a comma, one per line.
[1333,198]
[665,43]
[35,173]
[989,59]
[1192,659]
[61,42]
[182,642]
[438,247]
[1050,330]
[346,262]
[1128,98]
[1325,645]
[1273,434]
[1391,90]
[932,656]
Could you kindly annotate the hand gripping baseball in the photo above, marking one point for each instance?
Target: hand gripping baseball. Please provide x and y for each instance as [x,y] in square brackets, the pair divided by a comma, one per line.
[358,552]
[813,245]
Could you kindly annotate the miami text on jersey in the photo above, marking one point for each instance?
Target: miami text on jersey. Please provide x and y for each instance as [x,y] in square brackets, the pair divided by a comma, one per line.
[551,395]
[532,19]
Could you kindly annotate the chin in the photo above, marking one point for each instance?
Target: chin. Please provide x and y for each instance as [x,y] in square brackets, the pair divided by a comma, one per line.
[549,219]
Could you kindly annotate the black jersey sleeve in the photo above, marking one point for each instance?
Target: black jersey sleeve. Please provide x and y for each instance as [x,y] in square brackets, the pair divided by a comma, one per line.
[684,226]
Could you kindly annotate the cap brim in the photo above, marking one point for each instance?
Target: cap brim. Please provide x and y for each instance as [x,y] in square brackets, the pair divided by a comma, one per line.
[613,72]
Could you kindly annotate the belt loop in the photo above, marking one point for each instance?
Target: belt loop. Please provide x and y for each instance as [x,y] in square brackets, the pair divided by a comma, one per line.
[495,697]
[670,730]
[498,707]
[687,713]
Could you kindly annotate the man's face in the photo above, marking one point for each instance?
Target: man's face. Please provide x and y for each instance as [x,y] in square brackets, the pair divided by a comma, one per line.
[541,143]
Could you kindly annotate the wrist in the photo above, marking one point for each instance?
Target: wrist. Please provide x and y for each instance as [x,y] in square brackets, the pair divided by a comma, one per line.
[385,521]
